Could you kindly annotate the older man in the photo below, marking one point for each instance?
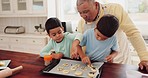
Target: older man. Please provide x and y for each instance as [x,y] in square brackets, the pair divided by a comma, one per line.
[91,12]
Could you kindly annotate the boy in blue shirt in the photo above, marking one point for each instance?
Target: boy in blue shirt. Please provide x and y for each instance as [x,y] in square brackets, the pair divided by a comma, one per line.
[100,42]
[62,43]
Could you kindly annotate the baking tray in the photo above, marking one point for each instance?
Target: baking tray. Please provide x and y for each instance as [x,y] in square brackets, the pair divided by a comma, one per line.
[6,63]
[53,68]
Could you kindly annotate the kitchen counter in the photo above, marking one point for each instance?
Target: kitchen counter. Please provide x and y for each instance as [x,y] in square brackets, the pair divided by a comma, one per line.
[33,64]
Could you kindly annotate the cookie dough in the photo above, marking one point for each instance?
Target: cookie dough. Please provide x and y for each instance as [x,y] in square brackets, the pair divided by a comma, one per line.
[65,64]
[93,69]
[78,73]
[2,63]
[90,66]
[60,68]
[84,68]
[91,74]
[65,71]
[77,65]
[73,68]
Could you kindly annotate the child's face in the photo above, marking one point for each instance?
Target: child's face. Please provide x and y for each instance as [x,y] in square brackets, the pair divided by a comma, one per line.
[99,36]
[56,34]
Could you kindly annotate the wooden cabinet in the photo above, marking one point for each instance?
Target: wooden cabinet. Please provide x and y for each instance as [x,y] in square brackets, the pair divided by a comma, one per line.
[29,44]
[23,8]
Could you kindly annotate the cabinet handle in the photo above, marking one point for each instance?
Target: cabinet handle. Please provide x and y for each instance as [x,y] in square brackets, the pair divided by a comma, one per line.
[1,39]
[33,41]
[16,40]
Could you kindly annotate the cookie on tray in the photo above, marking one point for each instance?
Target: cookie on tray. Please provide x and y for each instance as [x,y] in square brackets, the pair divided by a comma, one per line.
[78,73]
[2,63]
[60,68]
[93,69]
[73,68]
[91,74]
[65,71]
[65,64]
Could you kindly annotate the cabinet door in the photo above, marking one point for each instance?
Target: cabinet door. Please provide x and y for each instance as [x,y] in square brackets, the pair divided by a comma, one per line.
[6,6]
[37,41]
[27,44]
[4,43]
[38,6]
[21,6]
[18,47]
[35,44]
[18,44]
[18,40]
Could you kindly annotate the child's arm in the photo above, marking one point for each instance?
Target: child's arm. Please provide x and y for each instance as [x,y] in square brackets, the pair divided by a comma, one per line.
[85,59]
[74,53]
[76,42]
[46,50]
[57,55]
[114,52]
[110,57]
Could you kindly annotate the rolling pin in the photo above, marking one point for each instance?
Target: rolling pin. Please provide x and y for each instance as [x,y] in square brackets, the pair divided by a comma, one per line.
[8,71]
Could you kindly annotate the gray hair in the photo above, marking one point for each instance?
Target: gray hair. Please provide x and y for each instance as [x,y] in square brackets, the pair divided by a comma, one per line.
[79,2]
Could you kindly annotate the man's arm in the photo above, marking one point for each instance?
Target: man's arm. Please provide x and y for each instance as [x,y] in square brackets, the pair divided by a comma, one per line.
[135,37]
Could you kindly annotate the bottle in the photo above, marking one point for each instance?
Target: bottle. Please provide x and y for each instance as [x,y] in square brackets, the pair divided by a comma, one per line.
[8,72]
[47,59]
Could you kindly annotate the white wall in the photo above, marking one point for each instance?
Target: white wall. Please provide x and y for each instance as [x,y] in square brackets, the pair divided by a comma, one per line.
[141,22]
[142,26]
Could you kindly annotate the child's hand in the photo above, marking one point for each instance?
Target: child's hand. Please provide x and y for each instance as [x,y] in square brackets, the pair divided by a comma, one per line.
[57,55]
[86,60]
[110,57]
[74,53]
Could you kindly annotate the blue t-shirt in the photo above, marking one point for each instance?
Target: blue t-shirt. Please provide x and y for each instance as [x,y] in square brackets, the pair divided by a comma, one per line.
[95,49]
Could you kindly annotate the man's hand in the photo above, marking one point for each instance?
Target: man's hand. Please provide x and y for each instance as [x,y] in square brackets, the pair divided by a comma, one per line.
[143,64]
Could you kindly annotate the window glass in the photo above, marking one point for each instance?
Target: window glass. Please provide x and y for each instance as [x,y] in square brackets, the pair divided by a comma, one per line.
[138,6]
[38,5]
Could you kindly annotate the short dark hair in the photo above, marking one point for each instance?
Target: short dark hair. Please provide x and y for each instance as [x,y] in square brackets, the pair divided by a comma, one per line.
[52,23]
[108,25]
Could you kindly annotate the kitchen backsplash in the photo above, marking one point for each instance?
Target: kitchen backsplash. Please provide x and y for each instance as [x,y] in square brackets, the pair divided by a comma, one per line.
[27,22]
